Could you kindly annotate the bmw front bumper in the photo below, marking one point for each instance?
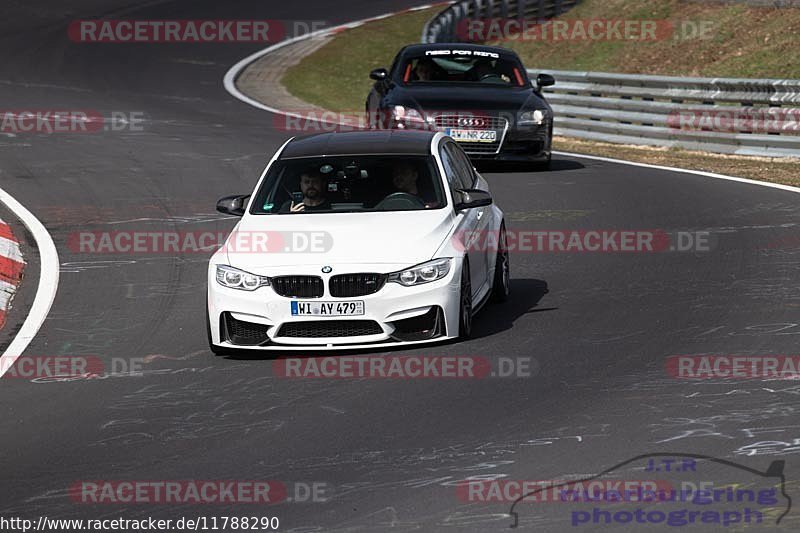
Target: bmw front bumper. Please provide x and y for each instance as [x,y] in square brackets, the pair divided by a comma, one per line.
[394,315]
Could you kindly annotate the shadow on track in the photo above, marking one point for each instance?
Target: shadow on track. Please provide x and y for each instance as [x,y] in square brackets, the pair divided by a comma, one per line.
[524,299]
[556,165]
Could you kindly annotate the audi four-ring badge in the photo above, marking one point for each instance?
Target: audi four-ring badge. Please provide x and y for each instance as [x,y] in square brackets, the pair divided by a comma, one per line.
[358,239]
[481,96]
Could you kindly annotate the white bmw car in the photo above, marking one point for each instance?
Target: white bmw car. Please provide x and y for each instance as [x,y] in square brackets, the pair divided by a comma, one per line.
[358,240]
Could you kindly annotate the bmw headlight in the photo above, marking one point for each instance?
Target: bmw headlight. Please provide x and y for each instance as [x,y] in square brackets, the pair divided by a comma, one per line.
[537,117]
[424,273]
[233,278]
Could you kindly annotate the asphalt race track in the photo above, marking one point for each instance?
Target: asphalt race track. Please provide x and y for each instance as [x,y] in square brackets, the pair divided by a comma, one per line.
[389,452]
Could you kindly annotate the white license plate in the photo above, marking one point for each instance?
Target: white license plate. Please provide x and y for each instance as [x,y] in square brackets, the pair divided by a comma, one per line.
[473,136]
[327,308]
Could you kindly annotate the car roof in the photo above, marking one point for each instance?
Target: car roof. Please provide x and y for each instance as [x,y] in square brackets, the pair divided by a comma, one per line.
[415,49]
[368,142]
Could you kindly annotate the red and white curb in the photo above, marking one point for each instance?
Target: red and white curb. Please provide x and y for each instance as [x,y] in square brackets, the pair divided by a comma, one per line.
[11,266]
[48,278]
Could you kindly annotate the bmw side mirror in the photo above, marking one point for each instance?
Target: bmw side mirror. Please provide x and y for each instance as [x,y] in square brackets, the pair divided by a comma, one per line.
[379,74]
[471,198]
[233,205]
[544,80]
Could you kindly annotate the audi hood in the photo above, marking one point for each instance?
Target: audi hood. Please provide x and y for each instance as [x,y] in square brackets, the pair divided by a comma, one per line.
[467,98]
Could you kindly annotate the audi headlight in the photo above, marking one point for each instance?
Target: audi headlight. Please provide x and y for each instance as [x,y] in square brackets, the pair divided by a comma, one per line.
[424,273]
[407,116]
[536,117]
[233,278]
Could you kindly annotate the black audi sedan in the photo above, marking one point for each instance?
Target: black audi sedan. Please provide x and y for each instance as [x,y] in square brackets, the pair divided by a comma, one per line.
[480,96]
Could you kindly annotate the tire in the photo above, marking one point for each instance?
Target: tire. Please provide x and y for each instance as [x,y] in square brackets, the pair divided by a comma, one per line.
[465,303]
[501,286]
[539,166]
[371,125]
[544,165]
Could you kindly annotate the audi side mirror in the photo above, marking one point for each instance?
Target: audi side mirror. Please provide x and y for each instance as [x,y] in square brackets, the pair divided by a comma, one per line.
[379,74]
[544,80]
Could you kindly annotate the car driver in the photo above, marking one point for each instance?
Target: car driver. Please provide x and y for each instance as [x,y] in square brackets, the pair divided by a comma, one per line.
[312,186]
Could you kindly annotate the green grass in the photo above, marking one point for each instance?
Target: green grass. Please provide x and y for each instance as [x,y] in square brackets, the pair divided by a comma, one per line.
[336,76]
[743,42]
[755,43]
[746,42]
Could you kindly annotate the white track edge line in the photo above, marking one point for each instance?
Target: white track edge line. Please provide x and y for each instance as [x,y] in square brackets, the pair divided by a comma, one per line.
[229,80]
[48,282]
[685,171]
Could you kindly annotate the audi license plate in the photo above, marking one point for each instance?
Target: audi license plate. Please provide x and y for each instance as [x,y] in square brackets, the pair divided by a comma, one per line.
[327,308]
[473,136]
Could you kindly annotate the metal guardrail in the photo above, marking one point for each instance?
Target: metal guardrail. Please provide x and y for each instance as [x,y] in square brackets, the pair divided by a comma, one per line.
[443,28]
[724,115]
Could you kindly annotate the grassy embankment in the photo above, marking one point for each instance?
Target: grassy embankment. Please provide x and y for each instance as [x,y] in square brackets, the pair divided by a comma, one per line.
[741,42]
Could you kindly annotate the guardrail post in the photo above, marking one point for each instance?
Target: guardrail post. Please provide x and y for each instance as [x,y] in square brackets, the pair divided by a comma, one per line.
[476,9]
[460,15]
[444,26]
[451,30]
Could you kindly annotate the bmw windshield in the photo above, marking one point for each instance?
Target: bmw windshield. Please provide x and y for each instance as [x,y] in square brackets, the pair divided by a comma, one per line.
[350,184]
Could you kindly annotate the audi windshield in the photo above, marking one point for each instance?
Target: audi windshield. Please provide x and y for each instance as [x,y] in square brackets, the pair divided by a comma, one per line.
[487,68]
